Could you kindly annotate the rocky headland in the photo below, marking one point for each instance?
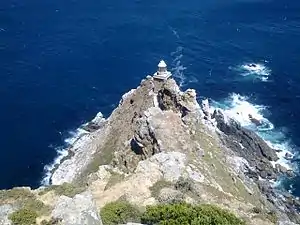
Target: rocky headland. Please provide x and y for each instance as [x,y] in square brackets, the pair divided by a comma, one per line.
[161,146]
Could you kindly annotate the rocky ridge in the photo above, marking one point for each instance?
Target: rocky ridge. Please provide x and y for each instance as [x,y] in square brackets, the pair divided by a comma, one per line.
[159,145]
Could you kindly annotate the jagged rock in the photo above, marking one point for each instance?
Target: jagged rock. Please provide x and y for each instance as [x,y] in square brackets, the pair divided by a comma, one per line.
[280,168]
[205,108]
[77,211]
[171,165]
[144,141]
[95,124]
[286,223]
[5,210]
[288,156]
[169,196]
[164,127]
[247,144]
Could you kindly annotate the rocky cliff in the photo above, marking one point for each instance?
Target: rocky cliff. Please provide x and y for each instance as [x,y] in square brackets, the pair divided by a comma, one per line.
[159,146]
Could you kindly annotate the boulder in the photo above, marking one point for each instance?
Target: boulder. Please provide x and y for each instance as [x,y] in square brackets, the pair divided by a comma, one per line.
[205,108]
[281,169]
[77,211]
[169,196]
[5,210]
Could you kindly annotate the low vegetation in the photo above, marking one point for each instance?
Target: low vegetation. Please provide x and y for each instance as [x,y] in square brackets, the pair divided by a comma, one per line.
[183,213]
[66,189]
[23,217]
[156,188]
[121,212]
[15,194]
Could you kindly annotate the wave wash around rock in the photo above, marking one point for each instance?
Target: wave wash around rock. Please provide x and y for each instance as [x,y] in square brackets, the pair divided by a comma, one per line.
[160,146]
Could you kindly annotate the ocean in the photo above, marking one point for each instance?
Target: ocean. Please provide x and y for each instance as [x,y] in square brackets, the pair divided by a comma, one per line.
[64,61]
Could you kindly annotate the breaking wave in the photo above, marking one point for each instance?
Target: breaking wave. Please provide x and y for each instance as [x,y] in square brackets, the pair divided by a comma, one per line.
[254,117]
[75,139]
[252,71]
[62,152]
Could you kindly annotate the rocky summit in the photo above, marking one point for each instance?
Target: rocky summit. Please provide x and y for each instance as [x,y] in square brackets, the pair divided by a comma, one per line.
[159,146]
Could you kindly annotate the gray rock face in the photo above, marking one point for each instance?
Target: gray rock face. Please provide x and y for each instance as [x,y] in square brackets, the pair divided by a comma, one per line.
[5,210]
[171,165]
[205,108]
[250,146]
[77,211]
[247,144]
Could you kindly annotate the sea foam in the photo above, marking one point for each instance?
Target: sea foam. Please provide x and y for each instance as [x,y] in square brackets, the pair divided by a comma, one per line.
[258,71]
[75,139]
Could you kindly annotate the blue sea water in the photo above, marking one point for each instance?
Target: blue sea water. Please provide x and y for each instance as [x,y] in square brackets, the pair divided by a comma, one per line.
[61,62]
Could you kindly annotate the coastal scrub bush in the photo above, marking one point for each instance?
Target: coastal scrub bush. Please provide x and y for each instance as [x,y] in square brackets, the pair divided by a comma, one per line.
[119,212]
[23,217]
[183,213]
[36,205]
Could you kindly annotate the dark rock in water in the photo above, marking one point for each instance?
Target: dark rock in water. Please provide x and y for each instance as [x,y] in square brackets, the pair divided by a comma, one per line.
[250,146]
[91,127]
[247,144]
[254,120]
[288,156]
[290,173]
[281,169]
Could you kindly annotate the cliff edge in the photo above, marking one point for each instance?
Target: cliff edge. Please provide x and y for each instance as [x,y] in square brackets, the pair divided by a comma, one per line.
[160,146]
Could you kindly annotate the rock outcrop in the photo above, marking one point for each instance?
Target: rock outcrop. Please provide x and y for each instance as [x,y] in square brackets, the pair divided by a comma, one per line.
[160,146]
[77,211]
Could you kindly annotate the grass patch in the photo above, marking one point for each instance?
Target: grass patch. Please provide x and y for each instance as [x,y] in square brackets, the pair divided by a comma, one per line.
[66,189]
[119,212]
[15,194]
[183,213]
[156,188]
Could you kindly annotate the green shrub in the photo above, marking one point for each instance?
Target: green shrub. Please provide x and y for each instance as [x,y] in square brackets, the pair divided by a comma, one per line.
[184,184]
[183,213]
[36,205]
[119,212]
[23,217]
